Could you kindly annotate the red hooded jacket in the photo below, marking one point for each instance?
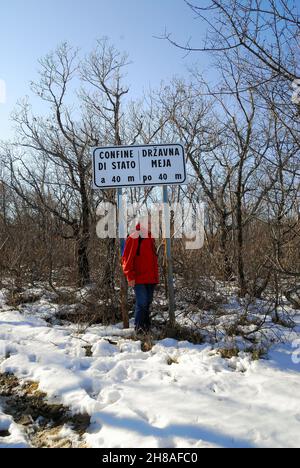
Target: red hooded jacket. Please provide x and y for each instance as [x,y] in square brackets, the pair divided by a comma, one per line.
[142,268]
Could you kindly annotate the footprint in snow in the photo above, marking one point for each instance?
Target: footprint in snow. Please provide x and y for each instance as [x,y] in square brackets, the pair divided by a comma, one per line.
[32,358]
[109,396]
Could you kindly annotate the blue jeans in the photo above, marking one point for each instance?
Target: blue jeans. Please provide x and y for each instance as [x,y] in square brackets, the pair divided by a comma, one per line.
[144,297]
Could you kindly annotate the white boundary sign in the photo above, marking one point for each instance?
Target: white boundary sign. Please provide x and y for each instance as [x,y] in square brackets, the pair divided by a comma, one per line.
[136,166]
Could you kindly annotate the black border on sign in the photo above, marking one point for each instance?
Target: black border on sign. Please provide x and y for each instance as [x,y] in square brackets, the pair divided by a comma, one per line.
[136,185]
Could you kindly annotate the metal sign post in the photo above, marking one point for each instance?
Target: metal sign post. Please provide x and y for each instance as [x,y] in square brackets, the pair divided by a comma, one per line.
[122,240]
[169,260]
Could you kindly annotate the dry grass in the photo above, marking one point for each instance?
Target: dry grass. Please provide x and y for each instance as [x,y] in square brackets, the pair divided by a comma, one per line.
[41,420]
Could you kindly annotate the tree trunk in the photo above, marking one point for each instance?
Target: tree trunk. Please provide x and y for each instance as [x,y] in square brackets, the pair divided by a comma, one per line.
[227,267]
[84,277]
[240,247]
[83,261]
[241,267]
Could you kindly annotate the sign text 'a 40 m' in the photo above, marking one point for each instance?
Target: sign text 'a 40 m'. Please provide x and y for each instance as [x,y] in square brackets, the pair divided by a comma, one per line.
[130,166]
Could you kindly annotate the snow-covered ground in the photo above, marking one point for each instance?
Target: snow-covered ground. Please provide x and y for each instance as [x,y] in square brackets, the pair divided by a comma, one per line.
[177,395]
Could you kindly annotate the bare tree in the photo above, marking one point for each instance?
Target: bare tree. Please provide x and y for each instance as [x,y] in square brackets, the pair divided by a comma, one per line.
[65,137]
[266,31]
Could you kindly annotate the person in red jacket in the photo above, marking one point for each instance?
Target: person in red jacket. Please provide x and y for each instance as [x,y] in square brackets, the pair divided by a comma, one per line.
[140,266]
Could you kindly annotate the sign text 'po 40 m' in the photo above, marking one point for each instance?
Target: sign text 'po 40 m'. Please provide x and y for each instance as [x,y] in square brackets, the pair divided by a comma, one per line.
[130,166]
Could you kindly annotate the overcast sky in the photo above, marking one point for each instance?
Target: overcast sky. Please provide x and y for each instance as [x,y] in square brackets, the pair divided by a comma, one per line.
[29,29]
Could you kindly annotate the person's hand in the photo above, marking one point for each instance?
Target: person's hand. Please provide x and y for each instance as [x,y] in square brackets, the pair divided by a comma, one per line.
[131,284]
